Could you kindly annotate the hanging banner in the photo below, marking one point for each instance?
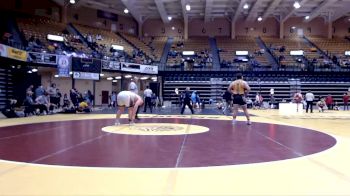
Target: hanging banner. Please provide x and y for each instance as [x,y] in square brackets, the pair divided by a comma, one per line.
[86,65]
[3,50]
[63,66]
[86,76]
[110,65]
[42,58]
[133,67]
[149,69]
[17,54]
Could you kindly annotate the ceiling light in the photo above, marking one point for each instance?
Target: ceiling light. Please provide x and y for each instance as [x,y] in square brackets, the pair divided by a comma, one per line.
[245,6]
[173,28]
[128,76]
[56,76]
[144,78]
[169,18]
[126,11]
[188,7]
[307,17]
[101,74]
[296,5]
[118,77]
[114,80]
[70,73]
[29,71]
[293,27]
[109,78]
[34,70]
[260,18]
[72,1]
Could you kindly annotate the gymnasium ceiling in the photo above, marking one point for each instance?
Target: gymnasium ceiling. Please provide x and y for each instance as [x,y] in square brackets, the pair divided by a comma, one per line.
[208,10]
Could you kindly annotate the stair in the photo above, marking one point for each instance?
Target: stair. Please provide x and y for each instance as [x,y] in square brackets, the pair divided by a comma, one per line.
[165,53]
[273,61]
[215,53]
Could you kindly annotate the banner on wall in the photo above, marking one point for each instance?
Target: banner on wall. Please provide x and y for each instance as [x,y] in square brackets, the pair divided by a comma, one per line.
[149,69]
[133,67]
[17,54]
[63,66]
[42,58]
[3,50]
[86,76]
[110,65]
[86,65]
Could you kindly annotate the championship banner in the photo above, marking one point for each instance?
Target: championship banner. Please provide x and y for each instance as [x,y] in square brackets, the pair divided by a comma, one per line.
[86,65]
[110,65]
[149,69]
[3,50]
[42,58]
[131,67]
[86,76]
[17,54]
[63,66]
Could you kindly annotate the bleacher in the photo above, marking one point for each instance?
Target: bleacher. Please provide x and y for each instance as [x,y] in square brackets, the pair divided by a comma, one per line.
[334,47]
[108,39]
[211,86]
[200,45]
[291,43]
[39,28]
[229,46]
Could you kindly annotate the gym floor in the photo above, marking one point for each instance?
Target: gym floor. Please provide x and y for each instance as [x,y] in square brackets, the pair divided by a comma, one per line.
[170,154]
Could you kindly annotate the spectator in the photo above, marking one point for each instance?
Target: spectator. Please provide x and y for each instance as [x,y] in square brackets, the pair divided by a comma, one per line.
[39,91]
[329,102]
[346,101]
[321,105]
[9,109]
[309,101]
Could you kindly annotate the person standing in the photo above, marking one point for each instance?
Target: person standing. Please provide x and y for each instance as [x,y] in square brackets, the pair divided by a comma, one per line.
[309,97]
[346,101]
[239,89]
[187,100]
[133,88]
[329,102]
[130,100]
[148,99]
[227,97]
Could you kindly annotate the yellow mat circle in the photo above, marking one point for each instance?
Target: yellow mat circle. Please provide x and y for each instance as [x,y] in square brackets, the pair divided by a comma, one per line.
[156,129]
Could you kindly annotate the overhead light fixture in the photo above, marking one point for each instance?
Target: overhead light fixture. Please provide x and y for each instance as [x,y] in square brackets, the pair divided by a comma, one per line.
[293,27]
[296,5]
[114,80]
[169,18]
[56,76]
[72,1]
[259,18]
[29,72]
[245,6]
[70,73]
[109,78]
[118,77]
[128,76]
[173,28]
[126,11]
[34,70]
[188,7]
[144,78]
[101,74]
[307,17]
[154,78]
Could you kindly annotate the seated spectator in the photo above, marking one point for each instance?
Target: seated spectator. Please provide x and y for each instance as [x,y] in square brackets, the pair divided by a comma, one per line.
[83,107]
[321,105]
[9,109]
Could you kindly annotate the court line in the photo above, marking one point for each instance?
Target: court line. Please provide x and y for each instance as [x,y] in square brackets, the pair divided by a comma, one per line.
[56,153]
[30,133]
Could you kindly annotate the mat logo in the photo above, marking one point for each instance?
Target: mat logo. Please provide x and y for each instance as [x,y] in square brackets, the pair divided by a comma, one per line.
[161,128]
